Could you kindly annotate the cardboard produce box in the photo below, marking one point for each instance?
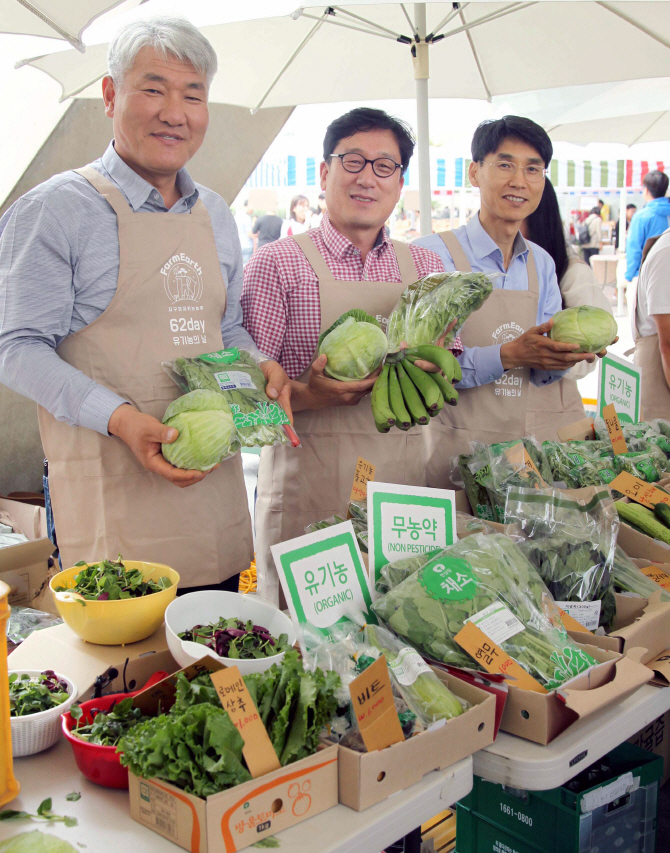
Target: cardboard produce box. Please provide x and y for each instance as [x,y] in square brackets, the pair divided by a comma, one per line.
[242,815]
[366,778]
[24,567]
[112,668]
[541,717]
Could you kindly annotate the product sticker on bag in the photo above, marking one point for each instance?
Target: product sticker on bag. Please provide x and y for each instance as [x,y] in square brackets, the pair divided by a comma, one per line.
[449,579]
[233,380]
[266,414]
[408,666]
[587,613]
[497,622]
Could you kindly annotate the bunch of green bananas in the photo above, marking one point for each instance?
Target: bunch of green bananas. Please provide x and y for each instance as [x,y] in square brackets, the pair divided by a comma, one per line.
[405,395]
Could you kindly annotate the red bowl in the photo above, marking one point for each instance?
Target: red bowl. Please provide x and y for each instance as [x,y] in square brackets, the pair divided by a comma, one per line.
[100,764]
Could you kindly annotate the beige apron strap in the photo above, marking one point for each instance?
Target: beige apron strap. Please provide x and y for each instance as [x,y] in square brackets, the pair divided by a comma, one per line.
[458,256]
[316,261]
[106,188]
[408,271]
[533,279]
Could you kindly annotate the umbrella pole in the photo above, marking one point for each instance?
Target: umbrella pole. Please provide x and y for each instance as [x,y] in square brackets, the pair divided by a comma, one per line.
[621,265]
[421,74]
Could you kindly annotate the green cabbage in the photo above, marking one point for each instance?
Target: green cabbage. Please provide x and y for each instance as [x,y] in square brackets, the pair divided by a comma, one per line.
[35,842]
[355,345]
[593,329]
[207,433]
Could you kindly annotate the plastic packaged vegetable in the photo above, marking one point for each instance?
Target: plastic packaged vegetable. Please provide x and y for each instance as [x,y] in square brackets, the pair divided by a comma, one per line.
[233,372]
[359,518]
[431,606]
[428,306]
[629,578]
[570,539]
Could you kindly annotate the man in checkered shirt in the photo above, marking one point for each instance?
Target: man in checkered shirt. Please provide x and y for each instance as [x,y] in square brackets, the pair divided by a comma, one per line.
[287,304]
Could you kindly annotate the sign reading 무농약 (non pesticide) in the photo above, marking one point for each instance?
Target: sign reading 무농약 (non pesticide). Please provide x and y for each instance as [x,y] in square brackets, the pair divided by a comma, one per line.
[619,383]
[406,521]
[323,576]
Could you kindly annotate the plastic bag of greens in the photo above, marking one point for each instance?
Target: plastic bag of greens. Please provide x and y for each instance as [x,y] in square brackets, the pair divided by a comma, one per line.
[431,606]
[638,436]
[396,572]
[23,621]
[629,578]
[233,372]
[564,456]
[467,525]
[360,528]
[569,536]
[592,472]
[427,307]
[474,483]
[643,465]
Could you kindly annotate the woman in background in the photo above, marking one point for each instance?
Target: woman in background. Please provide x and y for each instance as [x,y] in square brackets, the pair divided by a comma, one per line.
[561,404]
[298,218]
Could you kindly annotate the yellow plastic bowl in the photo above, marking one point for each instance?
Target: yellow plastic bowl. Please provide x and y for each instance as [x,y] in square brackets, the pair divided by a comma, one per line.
[115,623]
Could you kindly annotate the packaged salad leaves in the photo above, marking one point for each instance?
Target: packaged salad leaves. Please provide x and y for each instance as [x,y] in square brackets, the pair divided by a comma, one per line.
[431,606]
[427,307]
[232,372]
[578,464]
[644,465]
[629,578]
[569,536]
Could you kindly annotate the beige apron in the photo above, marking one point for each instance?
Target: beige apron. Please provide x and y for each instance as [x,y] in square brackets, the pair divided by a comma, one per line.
[496,411]
[169,290]
[551,407]
[654,391]
[299,486]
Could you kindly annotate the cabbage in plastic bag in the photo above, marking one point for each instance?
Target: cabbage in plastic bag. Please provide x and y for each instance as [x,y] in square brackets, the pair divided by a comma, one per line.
[207,433]
[431,606]
[235,375]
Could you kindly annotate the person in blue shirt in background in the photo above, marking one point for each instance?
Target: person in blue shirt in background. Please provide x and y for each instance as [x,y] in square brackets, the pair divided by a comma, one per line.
[652,220]
[507,350]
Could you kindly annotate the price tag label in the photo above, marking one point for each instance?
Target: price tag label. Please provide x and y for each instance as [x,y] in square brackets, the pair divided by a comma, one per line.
[637,490]
[364,473]
[657,576]
[586,613]
[619,385]
[258,751]
[497,622]
[372,700]
[614,429]
[323,576]
[493,659]
[518,456]
[404,521]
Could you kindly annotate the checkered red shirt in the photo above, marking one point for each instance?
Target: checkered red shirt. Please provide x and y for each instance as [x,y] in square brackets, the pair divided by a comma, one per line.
[280,297]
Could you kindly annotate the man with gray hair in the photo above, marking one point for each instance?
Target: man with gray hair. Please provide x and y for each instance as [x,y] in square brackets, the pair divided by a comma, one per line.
[107,271]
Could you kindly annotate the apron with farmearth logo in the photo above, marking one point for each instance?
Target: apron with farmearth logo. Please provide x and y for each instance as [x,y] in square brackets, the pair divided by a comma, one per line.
[298,486]
[496,411]
[169,301]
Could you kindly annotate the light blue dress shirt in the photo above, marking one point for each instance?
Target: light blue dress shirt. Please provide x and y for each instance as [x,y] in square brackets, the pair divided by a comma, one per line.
[59,266]
[481,365]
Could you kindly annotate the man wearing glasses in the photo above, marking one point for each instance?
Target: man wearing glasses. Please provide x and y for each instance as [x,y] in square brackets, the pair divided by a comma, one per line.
[507,355]
[294,289]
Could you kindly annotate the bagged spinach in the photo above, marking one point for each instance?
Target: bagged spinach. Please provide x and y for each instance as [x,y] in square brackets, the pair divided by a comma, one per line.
[643,465]
[569,536]
[358,510]
[428,306]
[429,607]
[233,372]
[578,464]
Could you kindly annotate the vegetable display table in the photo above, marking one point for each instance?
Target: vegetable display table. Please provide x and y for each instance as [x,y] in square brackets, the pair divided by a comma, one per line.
[520,763]
[105,825]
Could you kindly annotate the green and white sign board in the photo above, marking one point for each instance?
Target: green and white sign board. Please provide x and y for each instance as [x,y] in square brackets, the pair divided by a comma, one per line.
[323,576]
[405,521]
[619,383]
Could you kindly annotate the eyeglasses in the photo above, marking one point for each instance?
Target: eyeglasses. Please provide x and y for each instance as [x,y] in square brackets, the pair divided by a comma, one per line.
[534,174]
[383,167]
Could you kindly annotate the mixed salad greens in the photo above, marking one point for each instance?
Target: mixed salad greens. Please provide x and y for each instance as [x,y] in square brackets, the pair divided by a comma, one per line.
[110,580]
[232,638]
[30,694]
[107,727]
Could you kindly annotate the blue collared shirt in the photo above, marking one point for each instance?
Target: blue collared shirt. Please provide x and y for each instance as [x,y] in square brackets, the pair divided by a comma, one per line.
[59,266]
[481,365]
